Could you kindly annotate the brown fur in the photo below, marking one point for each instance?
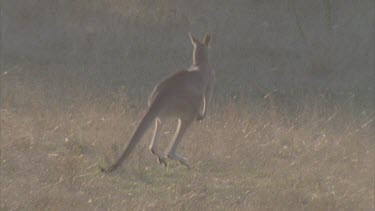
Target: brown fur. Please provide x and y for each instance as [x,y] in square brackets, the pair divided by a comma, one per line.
[183,95]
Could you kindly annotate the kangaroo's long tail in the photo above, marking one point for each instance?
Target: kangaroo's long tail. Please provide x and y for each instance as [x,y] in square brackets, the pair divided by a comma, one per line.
[147,120]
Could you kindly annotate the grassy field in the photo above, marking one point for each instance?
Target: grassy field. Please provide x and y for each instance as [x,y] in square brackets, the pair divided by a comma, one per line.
[245,156]
[291,125]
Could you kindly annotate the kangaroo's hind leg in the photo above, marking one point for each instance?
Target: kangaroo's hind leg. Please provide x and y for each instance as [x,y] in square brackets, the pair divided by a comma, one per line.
[176,140]
[202,110]
[154,141]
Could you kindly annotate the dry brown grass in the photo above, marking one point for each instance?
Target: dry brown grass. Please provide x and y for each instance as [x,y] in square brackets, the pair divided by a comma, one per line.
[245,156]
[291,126]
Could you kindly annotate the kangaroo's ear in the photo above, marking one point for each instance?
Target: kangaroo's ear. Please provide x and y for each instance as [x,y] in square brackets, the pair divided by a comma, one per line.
[193,39]
[207,39]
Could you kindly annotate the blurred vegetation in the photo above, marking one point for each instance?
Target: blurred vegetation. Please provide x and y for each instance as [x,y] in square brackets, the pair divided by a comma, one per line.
[289,46]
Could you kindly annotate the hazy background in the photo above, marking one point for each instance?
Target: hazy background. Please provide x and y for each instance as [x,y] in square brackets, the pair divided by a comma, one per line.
[295,86]
[310,45]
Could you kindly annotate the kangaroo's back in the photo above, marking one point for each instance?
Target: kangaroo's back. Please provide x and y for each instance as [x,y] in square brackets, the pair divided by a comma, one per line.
[183,85]
[187,87]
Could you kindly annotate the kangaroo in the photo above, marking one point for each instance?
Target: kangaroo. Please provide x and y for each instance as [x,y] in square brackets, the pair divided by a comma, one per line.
[183,95]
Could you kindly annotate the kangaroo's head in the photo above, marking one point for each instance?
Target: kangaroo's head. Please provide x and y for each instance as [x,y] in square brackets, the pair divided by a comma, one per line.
[200,52]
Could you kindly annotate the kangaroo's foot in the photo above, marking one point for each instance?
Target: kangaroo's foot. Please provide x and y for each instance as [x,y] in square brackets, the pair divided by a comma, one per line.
[161,160]
[107,170]
[200,117]
[180,159]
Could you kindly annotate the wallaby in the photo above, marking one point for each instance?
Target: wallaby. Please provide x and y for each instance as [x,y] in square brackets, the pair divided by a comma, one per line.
[183,95]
